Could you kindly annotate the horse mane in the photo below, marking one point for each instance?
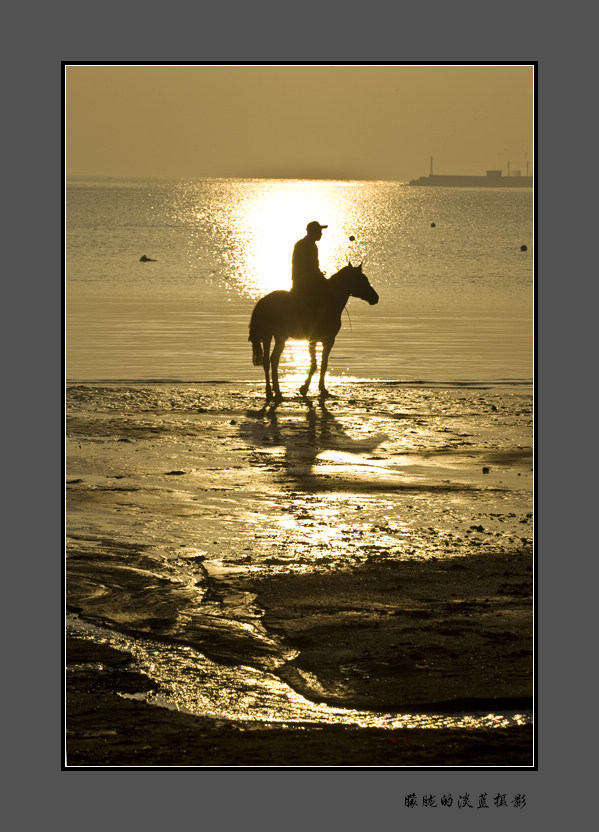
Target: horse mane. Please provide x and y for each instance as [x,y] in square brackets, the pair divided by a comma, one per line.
[342,272]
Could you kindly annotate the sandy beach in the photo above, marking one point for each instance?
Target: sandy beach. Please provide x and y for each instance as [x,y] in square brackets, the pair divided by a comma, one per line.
[371,555]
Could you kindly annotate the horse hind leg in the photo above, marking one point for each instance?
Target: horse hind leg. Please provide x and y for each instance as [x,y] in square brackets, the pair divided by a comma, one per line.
[313,365]
[274,368]
[266,366]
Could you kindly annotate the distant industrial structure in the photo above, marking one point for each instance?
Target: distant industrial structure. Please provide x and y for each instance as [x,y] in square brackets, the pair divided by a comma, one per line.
[492,179]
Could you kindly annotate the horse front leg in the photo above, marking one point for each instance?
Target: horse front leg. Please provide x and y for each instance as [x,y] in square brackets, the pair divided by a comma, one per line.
[274,368]
[324,363]
[266,365]
[313,365]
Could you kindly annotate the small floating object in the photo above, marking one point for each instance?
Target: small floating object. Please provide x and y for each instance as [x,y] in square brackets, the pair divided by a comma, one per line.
[433,224]
[486,470]
[523,248]
[351,238]
[144,259]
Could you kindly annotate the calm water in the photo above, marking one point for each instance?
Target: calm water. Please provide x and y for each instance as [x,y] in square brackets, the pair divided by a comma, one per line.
[456,299]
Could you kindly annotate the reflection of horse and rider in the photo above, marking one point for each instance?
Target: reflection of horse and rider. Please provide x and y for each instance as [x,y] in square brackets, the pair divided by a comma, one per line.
[311,312]
[303,440]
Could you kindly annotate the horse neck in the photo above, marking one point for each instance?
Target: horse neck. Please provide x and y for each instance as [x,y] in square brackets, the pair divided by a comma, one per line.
[339,289]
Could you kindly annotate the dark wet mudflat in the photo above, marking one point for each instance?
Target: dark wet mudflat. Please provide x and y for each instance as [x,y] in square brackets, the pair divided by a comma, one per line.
[409,635]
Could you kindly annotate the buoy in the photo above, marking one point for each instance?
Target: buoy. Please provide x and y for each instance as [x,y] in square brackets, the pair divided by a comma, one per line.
[352,238]
[523,248]
[433,225]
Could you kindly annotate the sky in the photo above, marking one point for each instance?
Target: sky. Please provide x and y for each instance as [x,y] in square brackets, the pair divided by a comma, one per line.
[377,122]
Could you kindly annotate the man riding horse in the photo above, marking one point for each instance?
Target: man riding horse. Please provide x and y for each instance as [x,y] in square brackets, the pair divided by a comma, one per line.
[310,312]
[309,285]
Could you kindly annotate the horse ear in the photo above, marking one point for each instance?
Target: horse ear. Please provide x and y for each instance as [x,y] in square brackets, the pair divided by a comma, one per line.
[349,264]
[360,266]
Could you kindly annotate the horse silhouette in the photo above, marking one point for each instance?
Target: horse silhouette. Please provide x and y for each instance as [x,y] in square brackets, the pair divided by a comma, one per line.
[282,315]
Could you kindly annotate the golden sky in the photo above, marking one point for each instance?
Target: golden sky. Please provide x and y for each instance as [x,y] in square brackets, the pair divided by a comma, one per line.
[315,121]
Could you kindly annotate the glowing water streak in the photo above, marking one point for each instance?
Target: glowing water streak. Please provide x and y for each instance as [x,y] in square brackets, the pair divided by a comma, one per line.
[191,683]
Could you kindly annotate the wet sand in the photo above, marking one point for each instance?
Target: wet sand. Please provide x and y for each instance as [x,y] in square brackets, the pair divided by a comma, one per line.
[425,604]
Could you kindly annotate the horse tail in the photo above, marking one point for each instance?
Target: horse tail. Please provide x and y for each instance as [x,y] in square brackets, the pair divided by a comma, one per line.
[257,353]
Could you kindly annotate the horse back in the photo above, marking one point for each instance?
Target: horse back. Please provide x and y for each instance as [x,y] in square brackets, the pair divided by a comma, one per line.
[275,303]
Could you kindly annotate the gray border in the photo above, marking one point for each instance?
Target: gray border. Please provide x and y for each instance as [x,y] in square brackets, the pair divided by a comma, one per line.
[349,799]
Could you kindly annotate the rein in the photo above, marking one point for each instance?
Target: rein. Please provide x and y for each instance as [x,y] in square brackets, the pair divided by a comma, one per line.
[346,309]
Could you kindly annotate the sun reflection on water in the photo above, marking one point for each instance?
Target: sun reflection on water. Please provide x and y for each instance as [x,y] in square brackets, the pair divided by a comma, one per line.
[270,218]
[239,235]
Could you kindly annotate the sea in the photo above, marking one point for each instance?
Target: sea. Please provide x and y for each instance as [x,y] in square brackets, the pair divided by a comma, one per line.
[453,267]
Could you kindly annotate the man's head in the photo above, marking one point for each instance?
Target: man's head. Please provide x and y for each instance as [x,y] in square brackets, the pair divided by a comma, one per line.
[314,230]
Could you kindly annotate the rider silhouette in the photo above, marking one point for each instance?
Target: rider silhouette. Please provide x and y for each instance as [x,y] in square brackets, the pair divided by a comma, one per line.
[308,282]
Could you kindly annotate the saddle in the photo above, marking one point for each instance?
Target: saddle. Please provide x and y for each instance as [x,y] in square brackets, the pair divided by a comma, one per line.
[310,313]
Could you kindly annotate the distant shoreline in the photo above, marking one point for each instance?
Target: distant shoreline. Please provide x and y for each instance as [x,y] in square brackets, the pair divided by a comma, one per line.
[488,181]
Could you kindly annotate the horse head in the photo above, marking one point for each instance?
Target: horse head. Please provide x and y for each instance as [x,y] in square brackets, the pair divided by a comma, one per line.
[360,286]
